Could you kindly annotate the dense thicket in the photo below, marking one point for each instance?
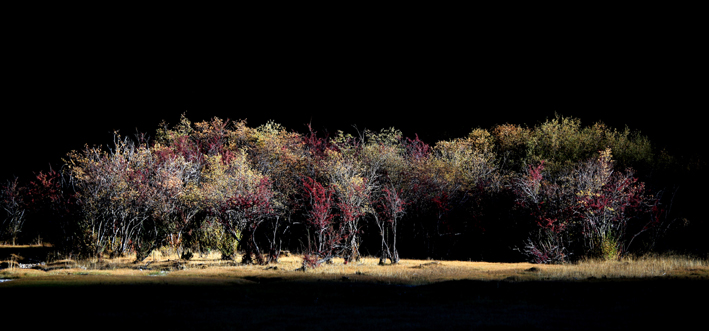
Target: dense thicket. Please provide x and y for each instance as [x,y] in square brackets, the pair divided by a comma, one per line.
[553,192]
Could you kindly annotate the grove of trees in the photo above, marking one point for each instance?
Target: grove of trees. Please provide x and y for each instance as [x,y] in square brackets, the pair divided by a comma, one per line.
[555,192]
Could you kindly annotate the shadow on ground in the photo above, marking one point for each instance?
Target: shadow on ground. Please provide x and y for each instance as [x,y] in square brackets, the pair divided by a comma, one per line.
[345,305]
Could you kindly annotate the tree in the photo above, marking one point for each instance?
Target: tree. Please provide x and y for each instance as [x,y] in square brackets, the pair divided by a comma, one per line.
[240,198]
[326,238]
[390,208]
[267,188]
[279,155]
[53,210]
[12,200]
[353,192]
[562,142]
[246,211]
[385,167]
[450,183]
[174,201]
[114,192]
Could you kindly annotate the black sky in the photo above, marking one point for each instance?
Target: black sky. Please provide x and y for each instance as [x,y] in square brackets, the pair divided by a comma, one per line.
[71,84]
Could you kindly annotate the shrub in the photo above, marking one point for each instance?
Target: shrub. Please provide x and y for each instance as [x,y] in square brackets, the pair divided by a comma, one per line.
[587,208]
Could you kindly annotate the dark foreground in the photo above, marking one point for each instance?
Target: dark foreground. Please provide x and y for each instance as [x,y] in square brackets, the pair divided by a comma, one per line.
[261,304]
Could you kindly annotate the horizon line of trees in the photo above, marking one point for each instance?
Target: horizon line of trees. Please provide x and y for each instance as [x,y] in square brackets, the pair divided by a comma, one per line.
[552,193]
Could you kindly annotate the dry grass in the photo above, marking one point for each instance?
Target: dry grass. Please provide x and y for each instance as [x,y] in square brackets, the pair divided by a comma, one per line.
[633,267]
[165,265]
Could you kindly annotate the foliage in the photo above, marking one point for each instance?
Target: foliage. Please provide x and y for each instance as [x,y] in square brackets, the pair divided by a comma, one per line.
[587,210]
[561,142]
[326,237]
[115,195]
[222,185]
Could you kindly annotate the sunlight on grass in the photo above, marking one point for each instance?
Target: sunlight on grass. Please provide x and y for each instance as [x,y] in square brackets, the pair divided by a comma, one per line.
[633,267]
[167,265]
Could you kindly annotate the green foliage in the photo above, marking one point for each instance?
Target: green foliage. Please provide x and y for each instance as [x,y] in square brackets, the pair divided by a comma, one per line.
[167,136]
[609,247]
[562,142]
[227,245]
[212,236]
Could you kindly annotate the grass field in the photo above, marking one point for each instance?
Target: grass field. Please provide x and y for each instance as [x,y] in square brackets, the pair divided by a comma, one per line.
[206,292]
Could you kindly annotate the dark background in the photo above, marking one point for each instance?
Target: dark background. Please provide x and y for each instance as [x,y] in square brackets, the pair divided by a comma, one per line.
[71,81]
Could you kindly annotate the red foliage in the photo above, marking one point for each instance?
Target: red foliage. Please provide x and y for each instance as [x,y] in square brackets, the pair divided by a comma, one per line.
[317,146]
[245,212]
[45,191]
[535,173]
[592,203]
[391,204]
[441,202]
[321,200]
[326,238]
[416,149]
[254,205]
[188,149]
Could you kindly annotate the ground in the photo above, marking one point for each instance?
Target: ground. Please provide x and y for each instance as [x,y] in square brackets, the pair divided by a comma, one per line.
[417,294]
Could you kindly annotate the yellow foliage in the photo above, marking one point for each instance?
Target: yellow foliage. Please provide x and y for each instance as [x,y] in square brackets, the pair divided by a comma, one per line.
[509,136]
[463,162]
[481,140]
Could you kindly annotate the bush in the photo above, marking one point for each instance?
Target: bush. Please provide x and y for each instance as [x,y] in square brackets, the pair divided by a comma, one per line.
[587,209]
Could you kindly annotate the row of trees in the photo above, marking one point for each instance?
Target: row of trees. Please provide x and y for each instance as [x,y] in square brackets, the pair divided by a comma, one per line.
[554,192]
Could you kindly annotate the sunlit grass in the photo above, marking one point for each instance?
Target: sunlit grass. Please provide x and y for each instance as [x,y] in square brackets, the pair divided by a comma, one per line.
[633,267]
[167,265]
